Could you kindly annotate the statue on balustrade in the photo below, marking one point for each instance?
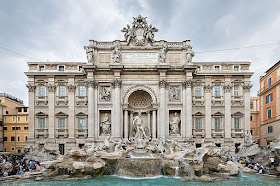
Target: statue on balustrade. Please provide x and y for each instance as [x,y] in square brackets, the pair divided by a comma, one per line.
[105,125]
[174,124]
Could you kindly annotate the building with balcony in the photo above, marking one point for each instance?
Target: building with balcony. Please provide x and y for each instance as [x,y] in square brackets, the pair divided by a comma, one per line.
[8,105]
[269,105]
[16,130]
[73,104]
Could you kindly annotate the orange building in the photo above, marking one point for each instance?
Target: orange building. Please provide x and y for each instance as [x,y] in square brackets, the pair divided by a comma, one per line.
[16,130]
[8,106]
[269,105]
[254,118]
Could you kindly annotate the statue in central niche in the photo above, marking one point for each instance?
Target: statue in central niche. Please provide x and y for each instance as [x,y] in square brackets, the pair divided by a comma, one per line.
[139,129]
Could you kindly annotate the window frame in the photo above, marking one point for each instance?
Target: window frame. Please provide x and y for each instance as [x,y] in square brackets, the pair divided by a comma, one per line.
[267,111]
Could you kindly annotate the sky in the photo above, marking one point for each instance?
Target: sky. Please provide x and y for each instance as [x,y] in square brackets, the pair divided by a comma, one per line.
[57,30]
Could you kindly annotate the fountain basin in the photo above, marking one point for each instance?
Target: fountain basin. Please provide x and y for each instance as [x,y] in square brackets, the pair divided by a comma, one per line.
[138,167]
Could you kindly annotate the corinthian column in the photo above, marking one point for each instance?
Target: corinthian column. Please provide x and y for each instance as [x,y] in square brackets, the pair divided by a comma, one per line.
[91,126]
[188,97]
[116,126]
[162,109]
[31,103]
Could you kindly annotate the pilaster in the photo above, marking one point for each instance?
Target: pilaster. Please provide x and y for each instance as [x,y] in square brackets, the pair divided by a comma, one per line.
[51,102]
[208,119]
[227,101]
[31,103]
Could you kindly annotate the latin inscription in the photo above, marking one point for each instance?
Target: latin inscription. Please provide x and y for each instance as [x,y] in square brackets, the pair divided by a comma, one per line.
[140,58]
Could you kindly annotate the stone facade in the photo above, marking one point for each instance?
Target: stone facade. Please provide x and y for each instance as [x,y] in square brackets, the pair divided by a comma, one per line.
[72,104]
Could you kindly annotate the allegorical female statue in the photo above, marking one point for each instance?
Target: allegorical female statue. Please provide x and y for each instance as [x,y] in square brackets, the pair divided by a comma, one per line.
[174,124]
[105,125]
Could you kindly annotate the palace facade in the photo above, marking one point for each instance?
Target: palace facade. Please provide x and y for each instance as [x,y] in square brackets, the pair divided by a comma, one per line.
[80,103]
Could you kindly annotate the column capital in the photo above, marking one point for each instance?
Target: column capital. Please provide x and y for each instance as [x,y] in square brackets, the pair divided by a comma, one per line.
[31,88]
[117,83]
[207,88]
[187,84]
[163,83]
[91,83]
[227,88]
[247,87]
[71,88]
[51,87]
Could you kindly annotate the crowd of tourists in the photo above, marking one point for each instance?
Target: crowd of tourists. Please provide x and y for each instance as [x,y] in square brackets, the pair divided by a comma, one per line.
[14,165]
[250,163]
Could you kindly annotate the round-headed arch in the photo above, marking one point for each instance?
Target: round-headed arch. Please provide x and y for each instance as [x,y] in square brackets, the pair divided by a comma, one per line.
[134,88]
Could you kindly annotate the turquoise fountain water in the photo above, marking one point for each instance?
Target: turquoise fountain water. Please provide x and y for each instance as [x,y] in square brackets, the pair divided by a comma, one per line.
[243,179]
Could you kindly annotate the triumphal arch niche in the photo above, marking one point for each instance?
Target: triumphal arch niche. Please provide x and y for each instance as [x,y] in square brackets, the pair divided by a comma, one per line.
[138,88]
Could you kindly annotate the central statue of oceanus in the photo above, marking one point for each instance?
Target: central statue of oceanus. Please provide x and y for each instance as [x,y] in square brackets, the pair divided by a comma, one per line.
[139,130]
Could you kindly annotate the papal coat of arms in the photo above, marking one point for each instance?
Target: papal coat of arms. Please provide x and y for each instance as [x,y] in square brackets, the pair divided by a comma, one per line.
[141,33]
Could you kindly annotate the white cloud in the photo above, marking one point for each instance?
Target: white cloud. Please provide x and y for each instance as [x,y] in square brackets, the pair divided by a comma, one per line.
[58,30]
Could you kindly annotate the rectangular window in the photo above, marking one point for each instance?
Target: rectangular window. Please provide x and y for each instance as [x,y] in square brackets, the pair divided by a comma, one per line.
[42,123]
[269,113]
[26,118]
[18,138]
[19,109]
[251,105]
[217,123]
[62,91]
[14,118]
[80,68]
[5,128]
[198,69]
[236,68]
[81,123]
[60,68]
[198,123]
[217,91]
[41,68]
[12,138]
[252,132]
[25,128]
[17,128]
[61,123]
[42,90]
[236,90]
[13,128]
[269,82]
[268,98]
[82,91]
[270,129]
[5,138]
[217,68]
[197,90]
[5,119]
[25,109]
[237,123]
[251,118]
[18,118]
[26,138]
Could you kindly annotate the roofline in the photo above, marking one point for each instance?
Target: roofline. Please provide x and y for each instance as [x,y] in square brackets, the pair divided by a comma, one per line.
[273,66]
